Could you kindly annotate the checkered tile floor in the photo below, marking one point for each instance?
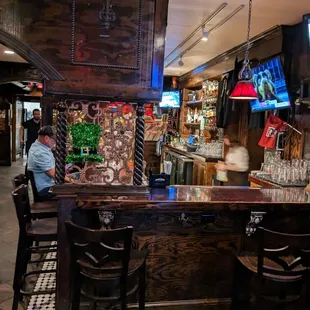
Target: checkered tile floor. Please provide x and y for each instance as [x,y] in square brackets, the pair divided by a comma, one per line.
[46,281]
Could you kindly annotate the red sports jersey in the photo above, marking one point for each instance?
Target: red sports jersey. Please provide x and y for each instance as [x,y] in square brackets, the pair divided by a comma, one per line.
[273,126]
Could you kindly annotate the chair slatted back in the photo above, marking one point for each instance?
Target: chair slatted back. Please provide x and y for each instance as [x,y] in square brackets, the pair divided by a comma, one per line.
[22,207]
[104,252]
[290,256]
[36,197]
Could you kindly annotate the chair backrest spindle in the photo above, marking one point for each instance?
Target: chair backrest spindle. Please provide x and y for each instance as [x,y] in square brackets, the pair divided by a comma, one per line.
[289,256]
[22,206]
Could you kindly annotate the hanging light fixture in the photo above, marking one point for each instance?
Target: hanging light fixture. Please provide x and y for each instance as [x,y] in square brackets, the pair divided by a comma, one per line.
[244,89]
[181,63]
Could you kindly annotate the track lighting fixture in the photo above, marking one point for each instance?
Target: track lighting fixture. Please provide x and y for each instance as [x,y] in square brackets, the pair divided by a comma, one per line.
[205,35]
[181,63]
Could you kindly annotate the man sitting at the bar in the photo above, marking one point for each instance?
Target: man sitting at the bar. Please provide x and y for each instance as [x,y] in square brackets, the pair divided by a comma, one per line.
[42,163]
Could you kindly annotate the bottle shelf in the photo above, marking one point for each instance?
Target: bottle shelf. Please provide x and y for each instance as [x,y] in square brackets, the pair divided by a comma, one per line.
[193,102]
[192,124]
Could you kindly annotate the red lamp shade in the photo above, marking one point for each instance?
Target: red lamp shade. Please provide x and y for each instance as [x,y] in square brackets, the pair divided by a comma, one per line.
[244,90]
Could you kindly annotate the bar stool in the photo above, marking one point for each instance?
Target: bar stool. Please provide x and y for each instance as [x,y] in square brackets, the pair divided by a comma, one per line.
[280,271]
[18,180]
[36,196]
[41,230]
[39,210]
[104,268]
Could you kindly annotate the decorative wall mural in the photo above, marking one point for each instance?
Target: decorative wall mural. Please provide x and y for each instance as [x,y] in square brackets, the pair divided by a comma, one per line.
[117,122]
[106,33]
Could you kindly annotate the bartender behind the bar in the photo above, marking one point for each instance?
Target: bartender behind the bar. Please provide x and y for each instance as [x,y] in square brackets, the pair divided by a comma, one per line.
[236,163]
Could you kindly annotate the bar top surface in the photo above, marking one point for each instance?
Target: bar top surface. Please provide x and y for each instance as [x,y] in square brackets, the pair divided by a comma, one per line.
[184,194]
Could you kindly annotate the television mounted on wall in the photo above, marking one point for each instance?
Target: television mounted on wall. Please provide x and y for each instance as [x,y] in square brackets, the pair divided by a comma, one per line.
[307,28]
[270,84]
[170,99]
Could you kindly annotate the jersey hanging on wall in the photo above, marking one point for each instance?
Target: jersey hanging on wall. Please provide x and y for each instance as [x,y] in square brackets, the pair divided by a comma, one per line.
[273,126]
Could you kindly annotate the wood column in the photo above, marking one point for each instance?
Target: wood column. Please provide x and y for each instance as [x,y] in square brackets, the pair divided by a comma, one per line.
[139,145]
[61,138]
[48,104]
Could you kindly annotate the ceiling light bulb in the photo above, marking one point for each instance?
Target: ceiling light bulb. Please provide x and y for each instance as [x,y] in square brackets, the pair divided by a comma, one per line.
[181,63]
[205,36]
[9,52]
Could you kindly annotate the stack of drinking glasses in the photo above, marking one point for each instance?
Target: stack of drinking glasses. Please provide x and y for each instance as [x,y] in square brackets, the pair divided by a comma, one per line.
[213,149]
[289,194]
[285,172]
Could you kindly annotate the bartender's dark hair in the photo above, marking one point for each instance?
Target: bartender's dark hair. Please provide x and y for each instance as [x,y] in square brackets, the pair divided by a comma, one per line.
[233,140]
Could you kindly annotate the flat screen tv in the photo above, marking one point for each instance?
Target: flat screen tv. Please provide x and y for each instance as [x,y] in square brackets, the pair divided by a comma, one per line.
[309,30]
[170,99]
[270,84]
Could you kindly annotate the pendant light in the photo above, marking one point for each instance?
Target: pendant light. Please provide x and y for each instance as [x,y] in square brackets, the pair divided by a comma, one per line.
[244,89]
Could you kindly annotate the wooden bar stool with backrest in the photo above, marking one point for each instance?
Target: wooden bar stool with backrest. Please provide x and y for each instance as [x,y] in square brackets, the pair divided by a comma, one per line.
[39,209]
[104,268]
[41,230]
[36,196]
[280,270]
[18,180]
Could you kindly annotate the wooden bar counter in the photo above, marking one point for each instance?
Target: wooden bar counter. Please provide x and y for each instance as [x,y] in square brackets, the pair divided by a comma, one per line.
[191,233]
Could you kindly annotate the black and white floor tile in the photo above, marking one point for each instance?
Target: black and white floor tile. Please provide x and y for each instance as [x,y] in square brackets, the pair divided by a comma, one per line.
[46,281]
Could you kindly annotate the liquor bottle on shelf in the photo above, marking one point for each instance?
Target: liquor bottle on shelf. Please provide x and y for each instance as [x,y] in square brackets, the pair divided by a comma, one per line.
[196,115]
[189,118]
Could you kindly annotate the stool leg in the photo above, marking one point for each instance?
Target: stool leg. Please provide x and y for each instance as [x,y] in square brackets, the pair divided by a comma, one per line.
[235,285]
[142,287]
[76,292]
[240,286]
[20,269]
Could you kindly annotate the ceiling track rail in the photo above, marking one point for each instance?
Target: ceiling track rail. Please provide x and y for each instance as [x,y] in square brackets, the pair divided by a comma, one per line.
[220,24]
[198,29]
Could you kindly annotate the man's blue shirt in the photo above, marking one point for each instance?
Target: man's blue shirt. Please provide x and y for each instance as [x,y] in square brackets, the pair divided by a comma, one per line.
[41,159]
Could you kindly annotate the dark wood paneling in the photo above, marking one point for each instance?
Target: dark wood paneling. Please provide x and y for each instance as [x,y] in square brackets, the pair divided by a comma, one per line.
[243,122]
[174,270]
[5,150]
[152,160]
[48,104]
[127,65]
[18,72]
[119,47]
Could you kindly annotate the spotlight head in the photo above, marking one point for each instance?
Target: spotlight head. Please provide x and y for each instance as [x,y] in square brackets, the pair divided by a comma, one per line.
[205,35]
[181,63]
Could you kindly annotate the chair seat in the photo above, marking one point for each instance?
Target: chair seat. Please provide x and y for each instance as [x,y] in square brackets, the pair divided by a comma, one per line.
[251,262]
[137,259]
[43,227]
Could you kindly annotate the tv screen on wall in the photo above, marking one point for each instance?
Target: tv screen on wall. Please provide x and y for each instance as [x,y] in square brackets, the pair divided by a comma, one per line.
[309,30]
[170,99]
[269,82]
